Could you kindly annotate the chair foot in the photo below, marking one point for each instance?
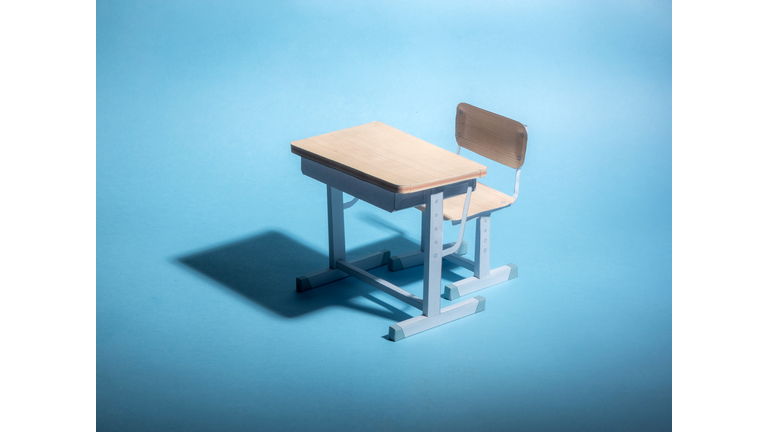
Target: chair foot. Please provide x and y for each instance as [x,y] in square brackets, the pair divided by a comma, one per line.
[447,314]
[471,284]
[328,275]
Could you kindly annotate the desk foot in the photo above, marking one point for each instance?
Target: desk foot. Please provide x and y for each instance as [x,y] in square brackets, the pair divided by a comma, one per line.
[325,276]
[422,323]
[472,284]
[416,258]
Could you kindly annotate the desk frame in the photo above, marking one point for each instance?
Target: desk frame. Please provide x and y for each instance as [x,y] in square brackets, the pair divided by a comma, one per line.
[432,247]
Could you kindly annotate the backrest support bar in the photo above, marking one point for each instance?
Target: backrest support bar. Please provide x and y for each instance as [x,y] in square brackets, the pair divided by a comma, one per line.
[496,137]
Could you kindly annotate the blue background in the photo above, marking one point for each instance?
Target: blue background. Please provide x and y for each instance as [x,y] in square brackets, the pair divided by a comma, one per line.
[204,218]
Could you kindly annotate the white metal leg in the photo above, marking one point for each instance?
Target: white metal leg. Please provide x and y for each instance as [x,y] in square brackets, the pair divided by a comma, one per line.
[484,277]
[431,257]
[482,247]
[433,316]
[328,275]
[432,222]
[377,282]
[337,248]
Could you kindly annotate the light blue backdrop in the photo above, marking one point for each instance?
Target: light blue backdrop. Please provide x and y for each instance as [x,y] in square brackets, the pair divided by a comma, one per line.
[204,219]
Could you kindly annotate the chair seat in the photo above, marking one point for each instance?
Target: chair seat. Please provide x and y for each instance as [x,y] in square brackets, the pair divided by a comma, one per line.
[485,199]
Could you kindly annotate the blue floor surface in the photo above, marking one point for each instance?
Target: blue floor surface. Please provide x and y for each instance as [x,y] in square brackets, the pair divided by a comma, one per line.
[204,219]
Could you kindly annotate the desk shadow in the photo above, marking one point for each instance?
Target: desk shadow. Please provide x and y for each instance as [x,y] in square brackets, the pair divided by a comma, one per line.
[263,268]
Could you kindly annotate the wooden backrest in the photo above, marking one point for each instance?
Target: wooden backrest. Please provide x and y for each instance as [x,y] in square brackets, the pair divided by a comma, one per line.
[491,135]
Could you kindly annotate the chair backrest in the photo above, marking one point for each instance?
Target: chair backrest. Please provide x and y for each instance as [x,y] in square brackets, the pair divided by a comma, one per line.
[491,135]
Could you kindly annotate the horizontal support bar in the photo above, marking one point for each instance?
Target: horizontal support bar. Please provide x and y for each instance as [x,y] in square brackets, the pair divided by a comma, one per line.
[416,258]
[328,275]
[460,261]
[447,314]
[379,283]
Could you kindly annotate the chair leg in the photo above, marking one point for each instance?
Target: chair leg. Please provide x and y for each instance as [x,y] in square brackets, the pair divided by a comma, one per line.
[482,247]
[484,277]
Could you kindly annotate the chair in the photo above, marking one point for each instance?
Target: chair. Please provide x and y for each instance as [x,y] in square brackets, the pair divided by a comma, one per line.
[503,140]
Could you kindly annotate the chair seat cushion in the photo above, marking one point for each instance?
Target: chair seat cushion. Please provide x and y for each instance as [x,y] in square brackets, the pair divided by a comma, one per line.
[484,199]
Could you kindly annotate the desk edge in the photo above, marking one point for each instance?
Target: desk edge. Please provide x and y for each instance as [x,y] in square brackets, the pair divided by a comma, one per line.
[381,183]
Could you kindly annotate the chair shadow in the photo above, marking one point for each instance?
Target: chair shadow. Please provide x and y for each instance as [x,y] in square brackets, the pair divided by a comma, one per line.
[263,268]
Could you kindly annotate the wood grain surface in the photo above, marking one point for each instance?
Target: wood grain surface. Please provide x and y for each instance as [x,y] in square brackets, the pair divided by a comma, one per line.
[484,198]
[491,135]
[388,157]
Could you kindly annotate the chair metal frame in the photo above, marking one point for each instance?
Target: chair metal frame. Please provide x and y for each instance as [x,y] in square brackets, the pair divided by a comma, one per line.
[484,276]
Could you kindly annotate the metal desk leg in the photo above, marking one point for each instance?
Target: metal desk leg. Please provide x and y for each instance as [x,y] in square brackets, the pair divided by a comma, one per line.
[337,249]
[417,258]
[432,243]
[432,223]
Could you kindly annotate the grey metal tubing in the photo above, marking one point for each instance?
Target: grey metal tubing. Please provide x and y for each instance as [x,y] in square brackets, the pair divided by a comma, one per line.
[483,247]
[517,185]
[432,222]
[336,247]
[349,204]
[381,284]
[321,277]
[460,261]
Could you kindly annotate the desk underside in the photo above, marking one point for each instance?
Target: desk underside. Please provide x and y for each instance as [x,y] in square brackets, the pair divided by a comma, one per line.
[373,194]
